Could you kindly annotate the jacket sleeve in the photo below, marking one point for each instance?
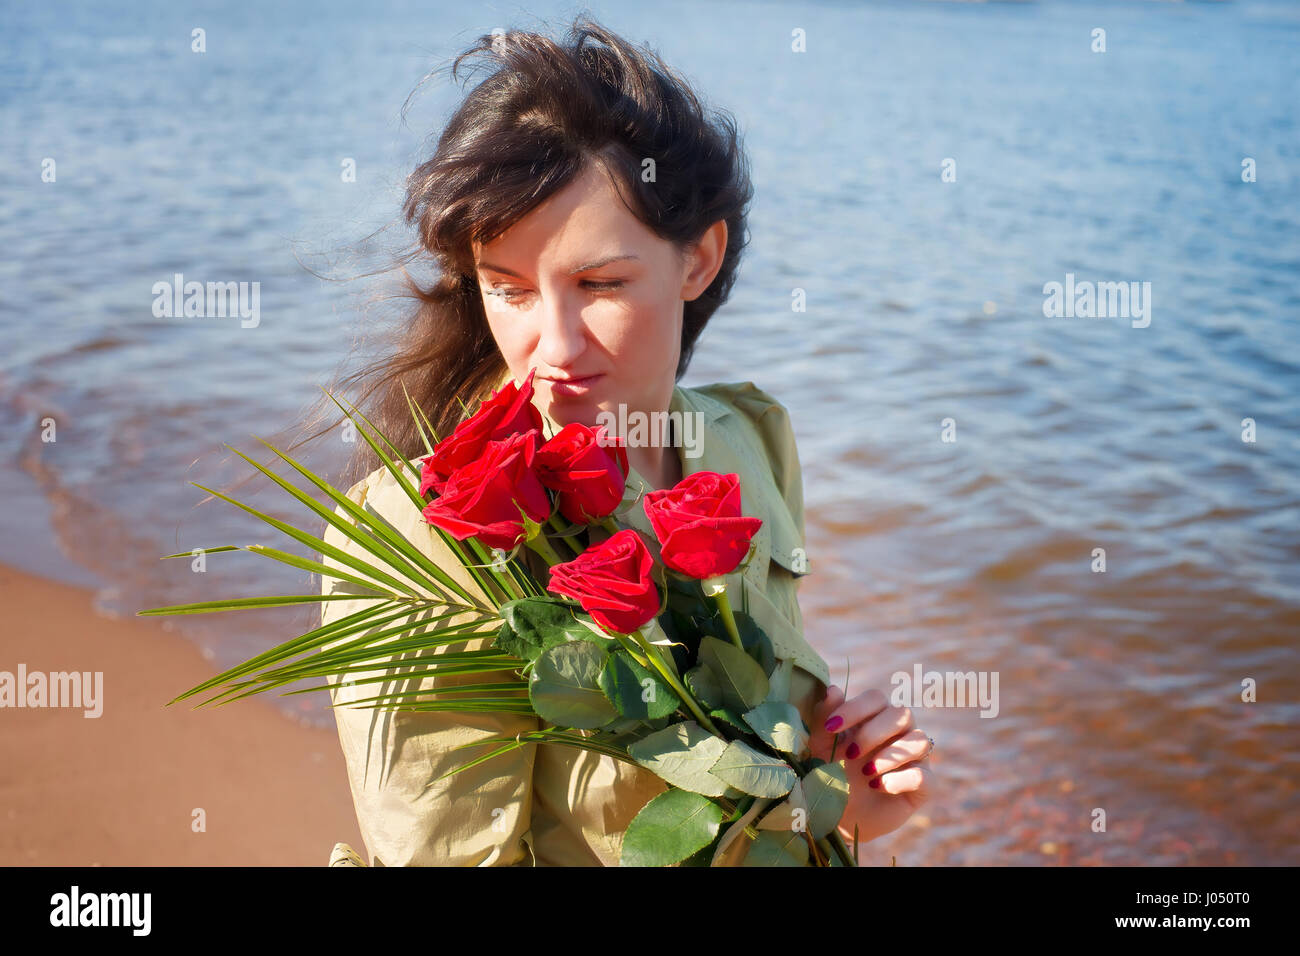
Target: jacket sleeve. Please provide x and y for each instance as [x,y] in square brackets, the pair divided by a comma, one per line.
[775,432]
[771,420]
[480,817]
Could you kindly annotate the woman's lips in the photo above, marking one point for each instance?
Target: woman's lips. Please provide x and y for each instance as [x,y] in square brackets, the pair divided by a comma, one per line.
[574,386]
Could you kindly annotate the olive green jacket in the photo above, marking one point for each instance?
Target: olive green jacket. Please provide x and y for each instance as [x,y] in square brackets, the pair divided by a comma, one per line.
[549,804]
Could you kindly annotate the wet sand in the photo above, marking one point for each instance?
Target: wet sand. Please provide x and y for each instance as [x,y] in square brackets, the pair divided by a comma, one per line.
[122,789]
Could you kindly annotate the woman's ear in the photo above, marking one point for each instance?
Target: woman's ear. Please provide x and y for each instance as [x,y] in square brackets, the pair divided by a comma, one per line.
[705,259]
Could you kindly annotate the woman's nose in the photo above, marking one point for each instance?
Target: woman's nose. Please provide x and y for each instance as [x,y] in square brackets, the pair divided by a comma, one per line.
[562,337]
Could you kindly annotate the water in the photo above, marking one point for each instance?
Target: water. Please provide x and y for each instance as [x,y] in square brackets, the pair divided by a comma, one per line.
[1118,690]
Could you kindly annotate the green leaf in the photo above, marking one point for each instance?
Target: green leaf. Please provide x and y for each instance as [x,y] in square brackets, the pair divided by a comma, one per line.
[737,829]
[784,815]
[357,621]
[757,644]
[564,686]
[690,615]
[702,856]
[780,725]
[774,848]
[682,754]
[411,633]
[741,679]
[746,769]
[779,680]
[534,624]
[460,689]
[388,548]
[190,554]
[236,604]
[622,729]
[701,682]
[545,736]
[381,529]
[628,684]
[731,717]
[417,414]
[826,792]
[317,567]
[670,828]
[318,544]
[398,471]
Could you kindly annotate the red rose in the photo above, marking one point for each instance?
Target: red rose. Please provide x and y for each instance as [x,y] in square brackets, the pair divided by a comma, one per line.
[612,582]
[700,528]
[588,468]
[508,412]
[483,499]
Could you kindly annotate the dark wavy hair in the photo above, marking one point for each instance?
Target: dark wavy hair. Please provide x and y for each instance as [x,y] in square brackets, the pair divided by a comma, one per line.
[545,111]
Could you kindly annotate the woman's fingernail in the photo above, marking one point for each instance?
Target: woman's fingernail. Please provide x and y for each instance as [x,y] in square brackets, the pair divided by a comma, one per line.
[852,751]
[869,769]
[833,724]
[875,783]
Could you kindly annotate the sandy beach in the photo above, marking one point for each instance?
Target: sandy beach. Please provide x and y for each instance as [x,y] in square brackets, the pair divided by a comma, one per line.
[123,788]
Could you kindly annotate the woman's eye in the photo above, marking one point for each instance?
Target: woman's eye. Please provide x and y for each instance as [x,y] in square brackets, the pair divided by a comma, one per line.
[513,295]
[508,294]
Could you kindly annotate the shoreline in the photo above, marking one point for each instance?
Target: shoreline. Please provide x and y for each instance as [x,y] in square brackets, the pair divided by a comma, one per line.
[144,783]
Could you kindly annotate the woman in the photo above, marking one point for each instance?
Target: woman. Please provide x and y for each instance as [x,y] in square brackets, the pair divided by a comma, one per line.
[588,219]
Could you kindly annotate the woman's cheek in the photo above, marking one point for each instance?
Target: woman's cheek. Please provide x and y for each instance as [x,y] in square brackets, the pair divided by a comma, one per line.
[512,340]
[638,328]
[616,331]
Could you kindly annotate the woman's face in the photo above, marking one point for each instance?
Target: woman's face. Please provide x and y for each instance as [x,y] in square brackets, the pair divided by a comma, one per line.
[581,290]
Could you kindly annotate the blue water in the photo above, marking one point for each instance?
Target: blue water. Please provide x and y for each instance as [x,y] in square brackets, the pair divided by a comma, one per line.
[924,302]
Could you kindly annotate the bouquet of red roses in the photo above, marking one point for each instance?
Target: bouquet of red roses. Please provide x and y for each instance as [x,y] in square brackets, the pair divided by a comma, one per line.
[618,649]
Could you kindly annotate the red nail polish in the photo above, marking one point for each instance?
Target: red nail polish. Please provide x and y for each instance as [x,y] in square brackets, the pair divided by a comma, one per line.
[852,751]
[833,724]
[875,783]
[870,768]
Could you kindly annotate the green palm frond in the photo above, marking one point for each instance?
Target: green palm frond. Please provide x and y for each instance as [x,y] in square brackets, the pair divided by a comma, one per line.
[494,583]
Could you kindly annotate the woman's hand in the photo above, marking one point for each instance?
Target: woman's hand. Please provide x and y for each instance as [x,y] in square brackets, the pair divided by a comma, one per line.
[882,751]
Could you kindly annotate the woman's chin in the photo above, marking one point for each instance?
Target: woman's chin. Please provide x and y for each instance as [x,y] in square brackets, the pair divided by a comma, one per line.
[589,413]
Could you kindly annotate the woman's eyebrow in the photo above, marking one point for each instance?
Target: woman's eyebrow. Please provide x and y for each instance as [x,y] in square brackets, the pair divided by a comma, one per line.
[603,261]
[594,264]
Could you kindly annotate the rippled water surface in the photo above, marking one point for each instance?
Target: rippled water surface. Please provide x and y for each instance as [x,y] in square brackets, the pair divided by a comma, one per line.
[1118,690]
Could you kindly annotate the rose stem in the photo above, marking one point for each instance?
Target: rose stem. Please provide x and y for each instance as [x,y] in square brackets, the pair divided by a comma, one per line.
[673,682]
[554,522]
[724,605]
[543,547]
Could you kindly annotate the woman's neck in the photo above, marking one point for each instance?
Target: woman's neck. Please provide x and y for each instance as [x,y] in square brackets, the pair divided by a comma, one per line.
[659,465]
